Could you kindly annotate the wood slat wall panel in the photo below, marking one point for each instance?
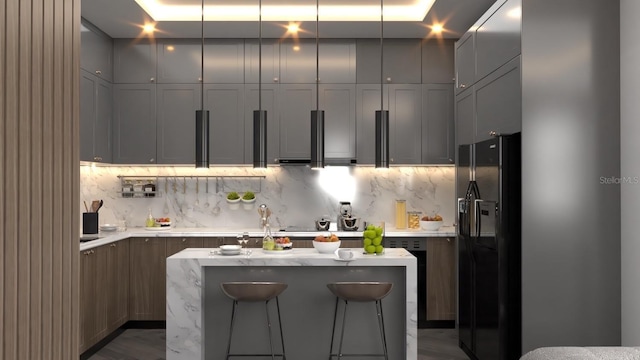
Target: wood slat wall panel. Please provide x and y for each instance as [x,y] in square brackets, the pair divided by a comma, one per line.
[39,179]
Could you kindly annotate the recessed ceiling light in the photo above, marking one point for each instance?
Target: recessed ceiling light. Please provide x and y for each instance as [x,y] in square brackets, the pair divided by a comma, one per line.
[296,48]
[149,28]
[437,28]
[404,10]
[293,28]
[170,48]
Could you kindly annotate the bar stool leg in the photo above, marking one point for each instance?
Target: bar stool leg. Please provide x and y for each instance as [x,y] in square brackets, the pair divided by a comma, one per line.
[333,329]
[381,326]
[344,321]
[266,307]
[284,357]
[233,317]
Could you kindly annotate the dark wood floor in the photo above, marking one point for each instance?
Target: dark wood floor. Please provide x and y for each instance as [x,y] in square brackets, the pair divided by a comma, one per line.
[145,344]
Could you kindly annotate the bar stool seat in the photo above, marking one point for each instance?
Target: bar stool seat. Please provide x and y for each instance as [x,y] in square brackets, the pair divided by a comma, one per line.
[254,291]
[359,292]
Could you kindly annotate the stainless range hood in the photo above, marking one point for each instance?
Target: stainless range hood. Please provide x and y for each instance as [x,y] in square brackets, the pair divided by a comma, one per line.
[328,162]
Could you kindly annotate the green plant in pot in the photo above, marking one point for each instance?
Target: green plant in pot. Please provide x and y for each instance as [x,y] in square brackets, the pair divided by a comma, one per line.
[248,196]
[233,197]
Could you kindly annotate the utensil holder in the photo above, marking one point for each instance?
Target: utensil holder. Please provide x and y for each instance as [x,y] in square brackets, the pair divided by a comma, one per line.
[90,223]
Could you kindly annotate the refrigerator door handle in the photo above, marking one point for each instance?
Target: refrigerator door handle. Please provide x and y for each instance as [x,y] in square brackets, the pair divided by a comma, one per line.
[460,213]
[477,204]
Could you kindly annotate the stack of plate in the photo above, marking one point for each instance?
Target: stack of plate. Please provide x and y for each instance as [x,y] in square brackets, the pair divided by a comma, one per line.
[108,227]
[230,249]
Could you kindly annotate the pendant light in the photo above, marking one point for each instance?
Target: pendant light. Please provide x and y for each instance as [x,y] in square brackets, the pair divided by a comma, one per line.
[382,116]
[317,116]
[202,115]
[260,116]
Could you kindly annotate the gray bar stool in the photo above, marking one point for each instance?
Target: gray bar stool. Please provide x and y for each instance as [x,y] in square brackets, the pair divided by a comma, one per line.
[359,292]
[254,292]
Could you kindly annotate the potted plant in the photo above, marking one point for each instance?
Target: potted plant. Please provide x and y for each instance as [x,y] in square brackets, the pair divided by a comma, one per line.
[233,199]
[248,199]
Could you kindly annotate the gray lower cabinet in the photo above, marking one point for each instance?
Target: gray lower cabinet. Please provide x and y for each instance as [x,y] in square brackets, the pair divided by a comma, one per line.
[465,61]
[176,106]
[498,99]
[270,61]
[225,103]
[405,124]
[339,104]
[270,104]
[296,102]
[368,101]
[96,106]
[134,124]
[438,138]
[402,61]
[96,52]
[179,61]
[134,61]
[498,38]
[465,117]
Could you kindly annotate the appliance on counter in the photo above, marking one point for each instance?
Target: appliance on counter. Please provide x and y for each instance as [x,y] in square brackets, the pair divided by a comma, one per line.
[489,248]
[345,220]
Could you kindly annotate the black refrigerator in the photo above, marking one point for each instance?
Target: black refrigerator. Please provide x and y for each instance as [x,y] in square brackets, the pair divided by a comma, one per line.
[489,237]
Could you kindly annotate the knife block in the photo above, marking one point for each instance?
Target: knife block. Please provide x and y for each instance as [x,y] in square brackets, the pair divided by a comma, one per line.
[90,223]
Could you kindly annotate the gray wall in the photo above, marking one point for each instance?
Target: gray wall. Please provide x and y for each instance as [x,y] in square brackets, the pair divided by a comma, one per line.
[571,138]
[630,166]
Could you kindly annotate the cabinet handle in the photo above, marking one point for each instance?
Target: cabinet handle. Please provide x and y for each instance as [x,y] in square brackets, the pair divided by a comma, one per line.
[462,86]
[199,79]
[113,245]
[98,72]
[392,160]
[388,79]
[275,79]
[451,160]
[152,160]
[92,251]
[97,158]
[184,240]
[146,240]
[493,133]
[152,79]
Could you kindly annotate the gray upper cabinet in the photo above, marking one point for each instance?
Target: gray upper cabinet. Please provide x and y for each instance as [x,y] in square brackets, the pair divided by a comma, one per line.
[438,140]
[96,105]
[134,61]
[337,61]
[134,124]
[270,104]
[402,61]
[96,52]
[368,101]
[179,61]
[498,38]
[405,124]
[225,103]
[270,61]
[437,61]
[176,128]
[298,61]
[224,61]
[465,117]
[465,61]
[296,102]
[498,100]
[339,104]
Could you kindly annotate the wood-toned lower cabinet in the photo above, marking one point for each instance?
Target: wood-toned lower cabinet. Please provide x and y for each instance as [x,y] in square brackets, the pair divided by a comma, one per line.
[441,279]
[88,276]
[147,281]
[117,280]
[175,245]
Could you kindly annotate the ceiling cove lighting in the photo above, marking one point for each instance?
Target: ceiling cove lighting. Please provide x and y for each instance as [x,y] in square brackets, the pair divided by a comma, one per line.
[317,115]
[202,115]
[405,10]
[382,116]
[260,116]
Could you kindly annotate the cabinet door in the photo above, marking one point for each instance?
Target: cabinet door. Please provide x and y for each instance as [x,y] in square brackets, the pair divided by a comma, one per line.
[88,86]
[499,102]
[224,61]
[179,61]
[176,123]
[212,242]
[117,286]
[339,104]
[465,118]
[296,103]
[402,61]
[96,52]
[101,286]
[498,38]
[465,61]
[147,279]
[270,104]
[102,138]
[175,245]
[88,276]
[337,60]
[437,61]
[95,118]
[226,123]
[270,61]
[298,61]
[134,61]
[368,61]
[134,124]
[368,101]
[405,124]
[441,279]
[438,138]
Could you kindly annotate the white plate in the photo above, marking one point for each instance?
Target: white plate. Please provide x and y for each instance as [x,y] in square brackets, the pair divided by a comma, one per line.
[343,260]
[108,227]
[158,228]
[230,247]
[225,253]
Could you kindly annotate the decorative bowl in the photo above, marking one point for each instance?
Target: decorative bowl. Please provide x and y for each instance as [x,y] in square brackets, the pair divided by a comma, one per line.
[326,247]
[430,225]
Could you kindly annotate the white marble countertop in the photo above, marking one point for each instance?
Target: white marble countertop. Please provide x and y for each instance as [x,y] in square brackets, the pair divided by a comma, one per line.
[110,237]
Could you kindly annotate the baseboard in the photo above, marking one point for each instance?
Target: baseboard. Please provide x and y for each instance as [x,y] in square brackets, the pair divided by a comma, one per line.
[138,324]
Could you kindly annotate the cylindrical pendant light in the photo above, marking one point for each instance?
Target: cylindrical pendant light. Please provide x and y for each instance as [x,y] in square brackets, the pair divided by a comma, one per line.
[317,116]
[202,115]
[382,116]
[260,116]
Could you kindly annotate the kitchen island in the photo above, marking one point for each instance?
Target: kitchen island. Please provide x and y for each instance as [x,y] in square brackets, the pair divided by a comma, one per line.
[198,314]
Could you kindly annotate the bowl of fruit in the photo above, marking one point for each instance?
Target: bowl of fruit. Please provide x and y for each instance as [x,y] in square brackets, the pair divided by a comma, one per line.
[163,222]
[326,244]
[431,223]
[283,243]
[372,239]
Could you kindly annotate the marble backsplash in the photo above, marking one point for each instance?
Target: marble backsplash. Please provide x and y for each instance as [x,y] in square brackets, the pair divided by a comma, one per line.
[296,195]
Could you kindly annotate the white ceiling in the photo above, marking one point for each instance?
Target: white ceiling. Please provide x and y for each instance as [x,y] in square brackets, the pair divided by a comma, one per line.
[123,19]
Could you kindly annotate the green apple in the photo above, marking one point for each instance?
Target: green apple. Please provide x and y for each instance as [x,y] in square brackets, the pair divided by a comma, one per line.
[377,241]
[379,249]
[370,249]
[366,242]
